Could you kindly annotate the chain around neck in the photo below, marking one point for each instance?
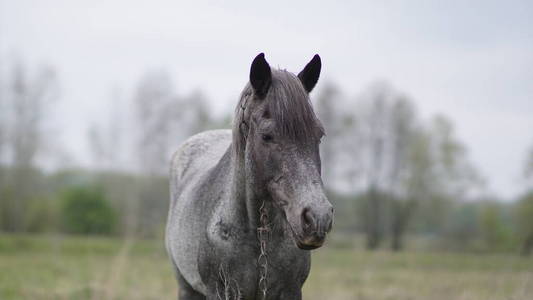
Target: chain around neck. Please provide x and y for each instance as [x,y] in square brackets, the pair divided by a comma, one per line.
[263,229]
[262,235]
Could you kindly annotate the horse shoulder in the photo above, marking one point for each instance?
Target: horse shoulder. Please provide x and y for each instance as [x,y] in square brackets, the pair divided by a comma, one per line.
[196,155]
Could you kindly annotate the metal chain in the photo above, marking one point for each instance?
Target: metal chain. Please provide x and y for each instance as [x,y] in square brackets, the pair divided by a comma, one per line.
[262,234]
[264,228]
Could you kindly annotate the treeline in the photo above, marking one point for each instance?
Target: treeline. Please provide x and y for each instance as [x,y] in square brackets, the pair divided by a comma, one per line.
[389,172]
[130,145]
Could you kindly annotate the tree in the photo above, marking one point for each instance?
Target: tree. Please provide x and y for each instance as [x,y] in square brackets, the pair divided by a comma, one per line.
[408,158]
[528,169]
[3,132]
[163,119]
[329,116]
[454,174]
[403,162]
[28,101]
[153,103]
[385,135]
[194,115]
[524,217]
[106,139]
[445,178]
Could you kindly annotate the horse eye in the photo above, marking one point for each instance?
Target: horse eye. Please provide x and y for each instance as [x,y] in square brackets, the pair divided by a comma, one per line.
[267,137]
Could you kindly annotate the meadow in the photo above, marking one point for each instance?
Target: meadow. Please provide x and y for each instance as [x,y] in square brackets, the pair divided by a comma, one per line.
[73,267]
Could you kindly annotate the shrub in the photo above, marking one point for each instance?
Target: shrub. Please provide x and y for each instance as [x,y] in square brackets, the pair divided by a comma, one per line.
[85,210]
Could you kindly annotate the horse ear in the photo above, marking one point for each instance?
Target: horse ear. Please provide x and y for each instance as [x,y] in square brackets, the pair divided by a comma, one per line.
[311,72]
[260,75]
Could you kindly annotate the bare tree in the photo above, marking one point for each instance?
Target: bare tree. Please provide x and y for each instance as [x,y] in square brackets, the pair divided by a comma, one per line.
[153,101]
[28,100]
[194,114]
[402,162]
[403,191]
[373,121]
[528,169]
[3,124]
[326,104]
[162,120]
[106,139]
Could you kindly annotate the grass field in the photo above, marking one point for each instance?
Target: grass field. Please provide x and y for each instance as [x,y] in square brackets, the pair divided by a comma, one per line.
[64,267]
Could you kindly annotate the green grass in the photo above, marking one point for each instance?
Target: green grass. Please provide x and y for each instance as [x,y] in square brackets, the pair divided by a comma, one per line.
[65,267]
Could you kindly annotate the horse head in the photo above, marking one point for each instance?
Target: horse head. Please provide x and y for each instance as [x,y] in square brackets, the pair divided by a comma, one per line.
[279,139]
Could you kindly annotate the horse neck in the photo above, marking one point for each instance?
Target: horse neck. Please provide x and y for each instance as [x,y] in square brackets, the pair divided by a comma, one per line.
[247,201]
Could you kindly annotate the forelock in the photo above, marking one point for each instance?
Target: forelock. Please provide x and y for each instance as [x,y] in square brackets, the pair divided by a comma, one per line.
[288,105]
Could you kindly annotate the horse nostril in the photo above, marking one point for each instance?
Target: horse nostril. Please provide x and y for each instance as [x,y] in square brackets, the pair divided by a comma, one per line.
[307,217]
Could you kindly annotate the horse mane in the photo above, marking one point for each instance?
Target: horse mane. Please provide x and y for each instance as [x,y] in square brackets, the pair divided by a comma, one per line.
[287,103]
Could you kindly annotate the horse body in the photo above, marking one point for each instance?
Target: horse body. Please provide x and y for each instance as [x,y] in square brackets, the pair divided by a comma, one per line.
[192,163]
[226,253]
[219,181]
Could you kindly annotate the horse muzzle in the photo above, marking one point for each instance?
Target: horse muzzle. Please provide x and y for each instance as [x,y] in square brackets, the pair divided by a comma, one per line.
[316,224]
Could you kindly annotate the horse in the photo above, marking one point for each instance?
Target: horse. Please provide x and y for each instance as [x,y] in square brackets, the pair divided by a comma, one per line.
[247,204]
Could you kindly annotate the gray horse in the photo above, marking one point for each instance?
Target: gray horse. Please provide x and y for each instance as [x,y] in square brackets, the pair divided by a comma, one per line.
[247,204]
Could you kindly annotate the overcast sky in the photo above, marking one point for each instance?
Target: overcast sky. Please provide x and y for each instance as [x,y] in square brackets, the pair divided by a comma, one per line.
[469,60]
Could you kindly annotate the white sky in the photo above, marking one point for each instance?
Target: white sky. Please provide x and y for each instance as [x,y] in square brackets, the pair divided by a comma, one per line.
[469,60]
